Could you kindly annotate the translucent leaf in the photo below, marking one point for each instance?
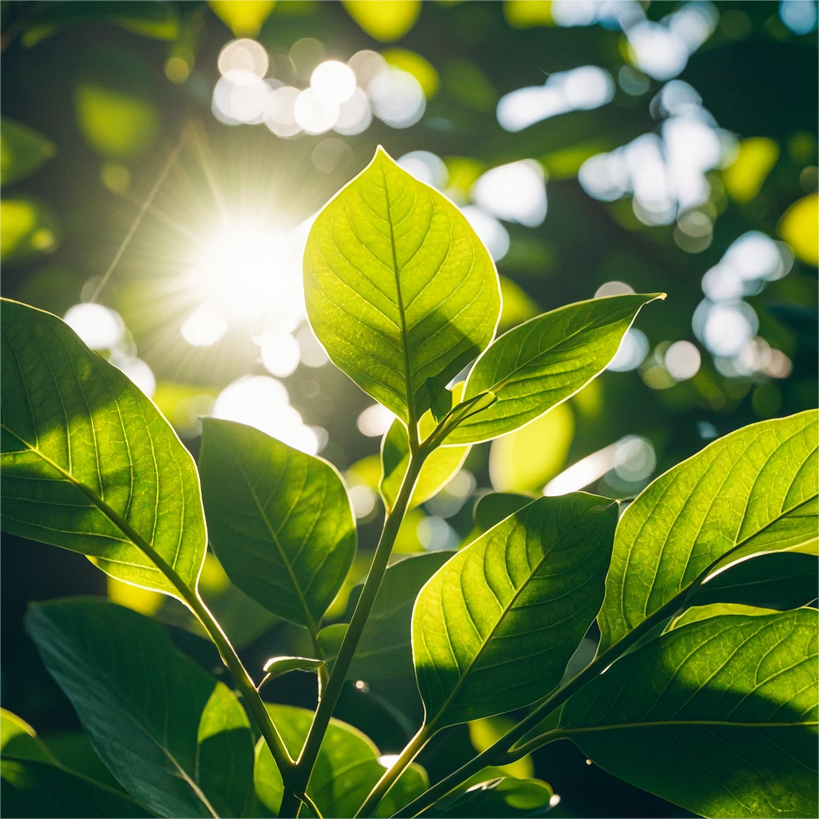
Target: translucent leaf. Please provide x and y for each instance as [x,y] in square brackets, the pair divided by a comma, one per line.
[22,151]
[386,20]
[494,628]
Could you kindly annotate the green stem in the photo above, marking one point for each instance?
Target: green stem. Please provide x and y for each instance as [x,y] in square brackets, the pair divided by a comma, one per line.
[332,691]
[214,630]
[386,782]
[499,754]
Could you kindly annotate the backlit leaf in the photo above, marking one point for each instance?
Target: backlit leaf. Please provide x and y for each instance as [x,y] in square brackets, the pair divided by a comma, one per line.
[280,521]
[494,628]
[718,716]
[28,229]
[346,770]
[386,20]
[545,361]
[751,492]
[85,451]
[22,151]
[798,227]
[747,173]
[155,719]
[243,17]
[398,287]
[524,460]
[115,124]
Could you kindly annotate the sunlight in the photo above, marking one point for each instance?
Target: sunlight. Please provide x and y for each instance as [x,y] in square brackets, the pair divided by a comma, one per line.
[246,269]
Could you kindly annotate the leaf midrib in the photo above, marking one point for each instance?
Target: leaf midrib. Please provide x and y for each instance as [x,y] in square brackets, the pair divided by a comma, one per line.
[485,642]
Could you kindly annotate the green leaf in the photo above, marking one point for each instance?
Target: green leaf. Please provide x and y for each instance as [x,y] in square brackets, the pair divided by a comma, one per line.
[387,20]
[718,716]
[506,796]
[398,287]
[28,229]
[244,17]
[438,469]
[751,492]
[22,150]
[779,580]
[282,665]
[18,740]
[526,459]
[491,509]
[494,628]
[441,399]
[30,788]
[75,753]
[346,770]
[544,361]
[384,651]
[280,521]
[88,462]
[153,716]
[697,613]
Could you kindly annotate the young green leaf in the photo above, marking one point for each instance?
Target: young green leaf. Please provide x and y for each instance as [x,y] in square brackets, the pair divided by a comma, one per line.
[88,462]
[29,788]
[384,651]
[438,469]
[544,361]
[399,289]
[18,740]
[151,714]
[718,716]
[346,769]
[505,796]
[751,492]
[22,151]
[280,521]
[494,628]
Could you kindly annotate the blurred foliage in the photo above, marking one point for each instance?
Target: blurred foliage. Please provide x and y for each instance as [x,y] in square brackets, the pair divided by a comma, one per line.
[96,98]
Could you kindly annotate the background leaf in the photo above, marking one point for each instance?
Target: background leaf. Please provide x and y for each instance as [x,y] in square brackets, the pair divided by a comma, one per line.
[386,20]
[31,788]
[494,628]
[152,715]
[78,439]
[718,716]
[22,151]
[507,796]
[543,362]
[384,651]
[280,521]
[751,492]
[346,770]
[398,287]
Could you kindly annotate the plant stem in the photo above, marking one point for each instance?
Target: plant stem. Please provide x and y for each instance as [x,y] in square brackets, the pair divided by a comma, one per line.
[332,691]
[386,782]
[214,630]
[498,754]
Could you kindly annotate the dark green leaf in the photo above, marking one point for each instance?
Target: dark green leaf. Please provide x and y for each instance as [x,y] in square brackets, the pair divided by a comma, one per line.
[491,509]
[718,716]
[780,580]
[346,770]
[22,151]
[751,492]
[154,717]
[399,289]
[384,651]
[84,452]
[506,796]
[441,399]
[543,362]
[280,521]
[494,628]
[37,789]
